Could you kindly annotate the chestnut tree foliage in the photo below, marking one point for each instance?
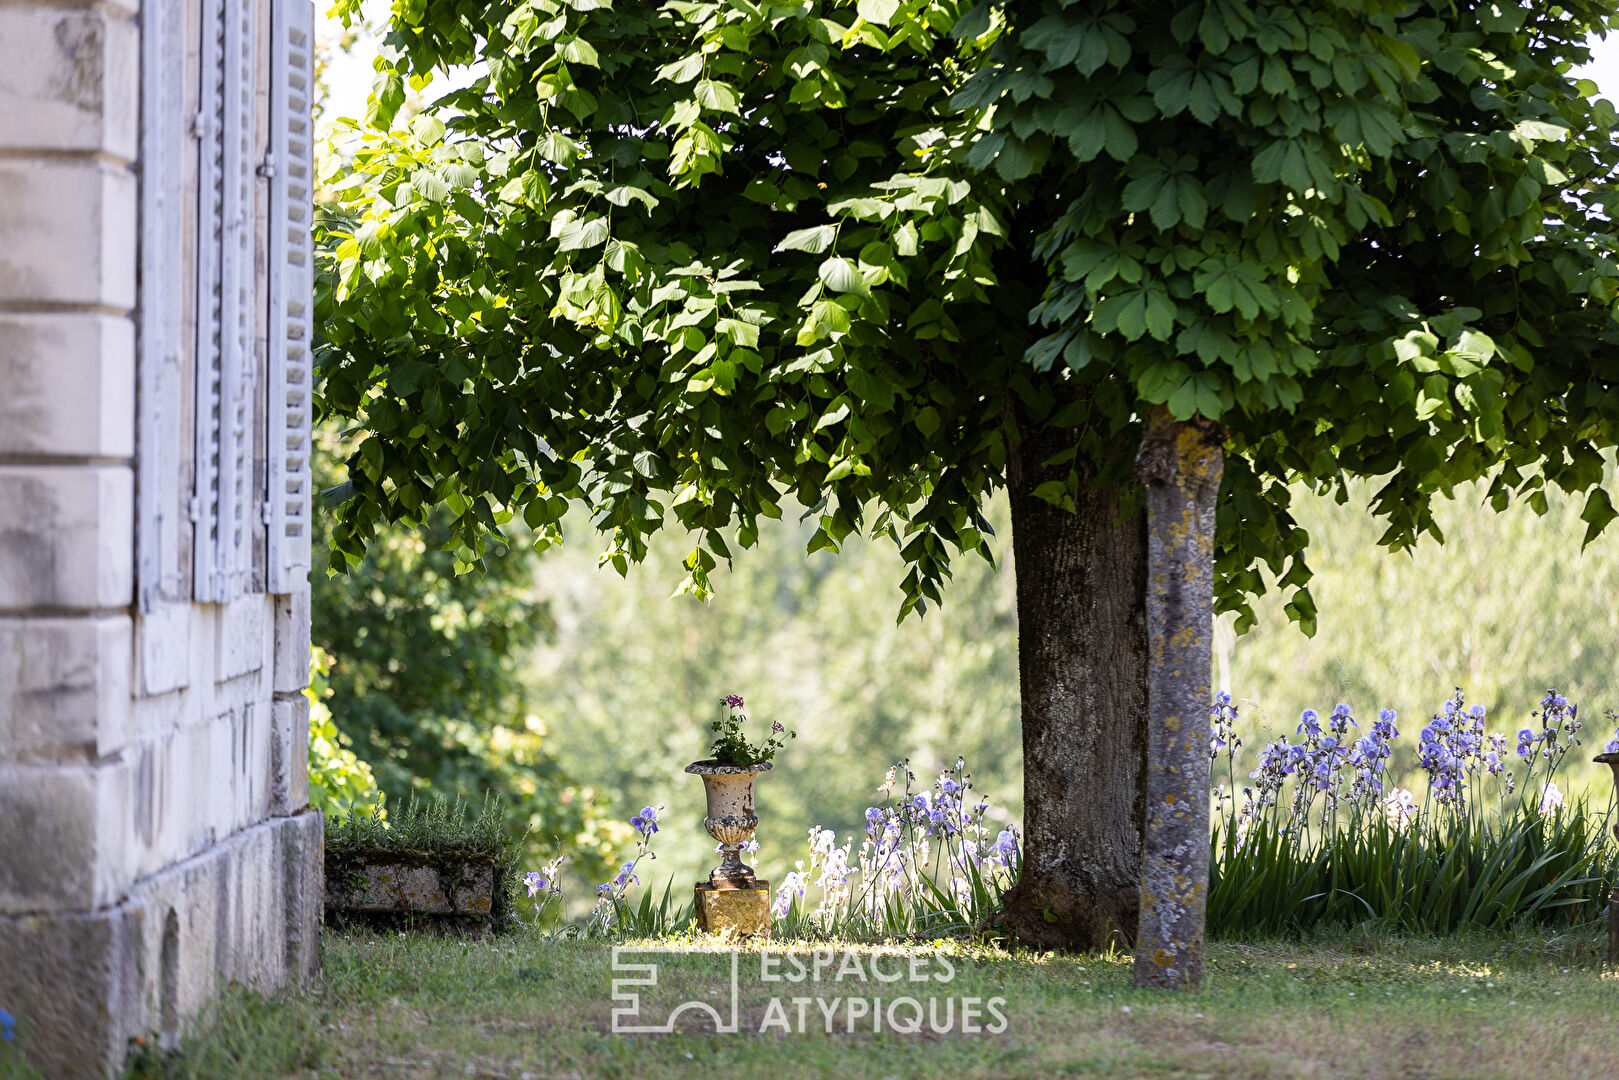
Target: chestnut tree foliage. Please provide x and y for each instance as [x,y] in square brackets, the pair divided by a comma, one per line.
[681,262]
[654,263]
[691,258]
[1369,237]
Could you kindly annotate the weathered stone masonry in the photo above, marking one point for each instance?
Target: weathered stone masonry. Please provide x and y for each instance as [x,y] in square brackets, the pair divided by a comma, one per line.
[155,841]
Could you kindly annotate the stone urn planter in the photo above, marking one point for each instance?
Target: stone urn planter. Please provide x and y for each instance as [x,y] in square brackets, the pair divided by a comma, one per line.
[1612,761]
[733,900]
[730,818]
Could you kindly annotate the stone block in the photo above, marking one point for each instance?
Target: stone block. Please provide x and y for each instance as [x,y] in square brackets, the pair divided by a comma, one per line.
[245,910]
[67,233]
[163,649]
[254,734]
[65,835]
[244,642]
[292,641]
[64,685]
[66,536]
[215,804]
[72,979]
[67,384]
[393,888]
[303,865]
[733,913]
[175,814]
[68,80]
[289,755]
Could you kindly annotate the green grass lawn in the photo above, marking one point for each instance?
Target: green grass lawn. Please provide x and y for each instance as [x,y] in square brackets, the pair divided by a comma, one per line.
[1360,1005]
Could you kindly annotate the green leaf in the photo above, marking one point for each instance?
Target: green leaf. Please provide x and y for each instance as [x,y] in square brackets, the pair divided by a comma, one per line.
[1540,131]
[740,333]
[683,70]
[1471,352]
[927,420]
[1058,38]
[841,275]
[428,129]
[877,11]
[430,186]
[1597,513]
[905,240]
[557,147]
[1160,314]
[577,235]
[813,240]
[387,95]
[624,194]
[1099,126]
[717,97]
[1015,161]
[833,416]
[576,50]
[1228,283]
[622,256]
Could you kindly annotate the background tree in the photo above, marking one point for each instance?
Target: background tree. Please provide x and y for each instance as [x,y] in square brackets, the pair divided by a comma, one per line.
[419,679]
[723,251]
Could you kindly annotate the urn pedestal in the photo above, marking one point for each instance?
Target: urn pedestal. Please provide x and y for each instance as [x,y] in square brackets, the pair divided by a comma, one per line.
[733,913]
[733,901]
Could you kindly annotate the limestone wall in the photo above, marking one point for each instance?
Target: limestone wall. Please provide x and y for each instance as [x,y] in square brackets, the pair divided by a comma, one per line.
[154,837]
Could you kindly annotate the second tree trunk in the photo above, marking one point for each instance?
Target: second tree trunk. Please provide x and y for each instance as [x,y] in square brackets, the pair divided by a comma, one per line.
[1180,464]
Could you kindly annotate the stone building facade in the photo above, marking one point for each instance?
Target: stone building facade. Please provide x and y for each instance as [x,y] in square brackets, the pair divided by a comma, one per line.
[155,275]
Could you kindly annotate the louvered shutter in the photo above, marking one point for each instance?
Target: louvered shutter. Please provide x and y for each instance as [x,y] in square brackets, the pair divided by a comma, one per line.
[291,263]
[164,142]
[224,504]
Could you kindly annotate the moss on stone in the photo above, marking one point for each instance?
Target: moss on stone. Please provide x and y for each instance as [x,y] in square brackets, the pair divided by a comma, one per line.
[438,835]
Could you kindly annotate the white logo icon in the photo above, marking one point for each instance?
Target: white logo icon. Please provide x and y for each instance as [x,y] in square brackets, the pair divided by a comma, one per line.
[627,1013]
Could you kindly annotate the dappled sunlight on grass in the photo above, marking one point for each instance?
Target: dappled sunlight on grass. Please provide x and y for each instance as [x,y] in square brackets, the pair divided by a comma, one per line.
[1357,1004]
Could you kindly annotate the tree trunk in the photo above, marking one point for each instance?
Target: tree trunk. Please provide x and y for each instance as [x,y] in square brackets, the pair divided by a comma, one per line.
[1180,464]
[1082,665]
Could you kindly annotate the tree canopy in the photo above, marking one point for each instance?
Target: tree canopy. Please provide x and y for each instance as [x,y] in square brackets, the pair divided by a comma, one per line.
[698,257]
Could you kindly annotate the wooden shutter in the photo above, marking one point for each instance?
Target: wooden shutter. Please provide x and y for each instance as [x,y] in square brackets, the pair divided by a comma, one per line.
[291,264]
[163,145]
[223,510]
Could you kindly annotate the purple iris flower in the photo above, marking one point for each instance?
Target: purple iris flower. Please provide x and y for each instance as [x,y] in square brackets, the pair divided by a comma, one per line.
[646,821]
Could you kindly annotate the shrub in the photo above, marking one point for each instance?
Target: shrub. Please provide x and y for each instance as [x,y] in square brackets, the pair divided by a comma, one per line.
[340,783]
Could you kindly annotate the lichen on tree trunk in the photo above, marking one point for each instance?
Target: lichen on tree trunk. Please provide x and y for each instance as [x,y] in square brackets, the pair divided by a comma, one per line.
[1082,666]
[1180,463]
